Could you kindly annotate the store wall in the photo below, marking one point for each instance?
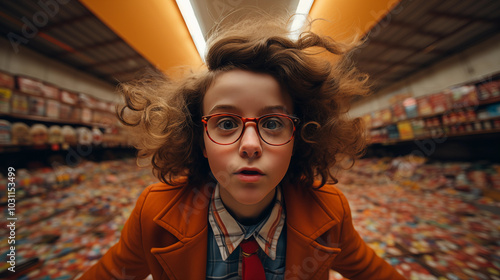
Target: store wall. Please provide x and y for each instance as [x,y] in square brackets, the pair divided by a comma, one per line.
[29,63]
[473,64]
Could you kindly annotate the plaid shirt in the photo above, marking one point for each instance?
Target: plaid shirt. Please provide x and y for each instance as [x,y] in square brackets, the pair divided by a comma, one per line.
[225,235]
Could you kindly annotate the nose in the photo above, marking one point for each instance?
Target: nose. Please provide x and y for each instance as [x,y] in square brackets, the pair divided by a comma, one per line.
[250,144]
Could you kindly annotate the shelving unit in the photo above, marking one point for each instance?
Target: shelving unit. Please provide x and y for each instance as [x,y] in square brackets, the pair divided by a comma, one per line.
[463,110]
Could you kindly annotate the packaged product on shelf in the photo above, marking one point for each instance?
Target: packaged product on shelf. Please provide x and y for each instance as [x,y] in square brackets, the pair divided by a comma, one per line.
[377,119]
[96,136]
[52,110]
[5,128]
[84,136]
[51,91]
[471,115]
[489,90]
[21,134]
[7,80]
[55,135]
[386,116]
[68,97]
[398,112]
[493,110]
[405,130]
[19,103]
[65,111]
[440,102]
[87,100]
[392,131]
[36,105]
[418,127]
[86,114]
[69,108]
[461,116]
[463,96]
[411,109]
[424,106]
[69,135]
[29,85]
[5,96]
[39,134]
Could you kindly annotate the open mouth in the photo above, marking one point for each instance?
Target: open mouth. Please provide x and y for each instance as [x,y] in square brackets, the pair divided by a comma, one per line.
[250,175]
[249,172]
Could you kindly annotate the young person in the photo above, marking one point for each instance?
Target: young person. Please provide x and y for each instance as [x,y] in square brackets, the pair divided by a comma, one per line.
[244,150]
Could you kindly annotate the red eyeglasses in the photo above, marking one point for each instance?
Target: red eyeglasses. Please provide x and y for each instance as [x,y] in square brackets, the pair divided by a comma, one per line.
[273,129]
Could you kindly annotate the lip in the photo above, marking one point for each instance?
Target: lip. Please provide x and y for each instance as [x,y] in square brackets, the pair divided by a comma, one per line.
[249,169]
[249,178]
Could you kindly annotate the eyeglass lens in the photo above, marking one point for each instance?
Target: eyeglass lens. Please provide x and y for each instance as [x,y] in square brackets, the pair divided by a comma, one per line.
[274,129]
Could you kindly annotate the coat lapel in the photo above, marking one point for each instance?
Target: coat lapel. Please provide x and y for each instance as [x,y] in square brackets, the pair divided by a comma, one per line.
[309,253]
[185,217]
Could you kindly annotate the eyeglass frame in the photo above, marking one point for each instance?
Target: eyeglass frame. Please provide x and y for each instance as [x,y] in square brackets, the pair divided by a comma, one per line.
[295,122]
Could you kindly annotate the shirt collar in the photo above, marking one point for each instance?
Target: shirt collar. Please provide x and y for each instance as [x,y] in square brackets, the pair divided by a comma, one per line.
[229,233]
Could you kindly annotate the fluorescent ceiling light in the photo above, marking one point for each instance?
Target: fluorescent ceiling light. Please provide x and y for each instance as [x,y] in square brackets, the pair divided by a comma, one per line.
[193,26]
[300,17]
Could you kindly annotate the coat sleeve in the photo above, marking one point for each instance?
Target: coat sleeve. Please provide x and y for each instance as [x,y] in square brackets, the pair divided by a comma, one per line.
[357,260]
[125,260]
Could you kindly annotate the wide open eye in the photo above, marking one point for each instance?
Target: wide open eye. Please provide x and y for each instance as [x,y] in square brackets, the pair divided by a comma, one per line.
[273,123]
[227,123]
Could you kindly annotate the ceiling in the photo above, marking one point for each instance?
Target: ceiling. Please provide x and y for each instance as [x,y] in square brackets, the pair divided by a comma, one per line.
[209,15]
[418,33]
[411,37]
[73,36]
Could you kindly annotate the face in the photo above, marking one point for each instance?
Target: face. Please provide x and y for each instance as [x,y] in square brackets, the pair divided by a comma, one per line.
[248,170]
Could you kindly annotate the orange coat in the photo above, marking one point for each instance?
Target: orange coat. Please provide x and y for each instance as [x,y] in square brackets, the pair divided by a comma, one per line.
[166,236]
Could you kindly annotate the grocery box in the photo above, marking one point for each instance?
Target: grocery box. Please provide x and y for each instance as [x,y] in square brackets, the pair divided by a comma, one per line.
[19,103]
[405,130]
[440,102]
[7,80]
[29,85]
[5,96]
[52,108]
[51,91]
[36,105]
[398,112]
[410,105]
[424,106]
[68,97]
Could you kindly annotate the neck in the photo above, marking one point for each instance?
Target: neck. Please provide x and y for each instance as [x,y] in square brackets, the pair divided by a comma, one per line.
[247,214]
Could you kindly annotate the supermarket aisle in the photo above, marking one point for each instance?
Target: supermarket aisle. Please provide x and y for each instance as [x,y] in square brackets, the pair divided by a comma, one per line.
[411,215]
[414,216]
[75,218]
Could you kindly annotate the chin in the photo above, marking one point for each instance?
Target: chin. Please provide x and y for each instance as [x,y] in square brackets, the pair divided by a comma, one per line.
[250,199]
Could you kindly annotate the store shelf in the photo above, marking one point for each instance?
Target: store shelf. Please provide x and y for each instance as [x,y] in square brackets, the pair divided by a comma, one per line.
[454,135]
[52,120]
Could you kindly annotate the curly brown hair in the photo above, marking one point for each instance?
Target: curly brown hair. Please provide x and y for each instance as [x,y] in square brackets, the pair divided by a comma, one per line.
[166,113]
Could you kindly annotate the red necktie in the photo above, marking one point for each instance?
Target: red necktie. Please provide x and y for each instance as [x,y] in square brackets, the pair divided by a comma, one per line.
[252,266]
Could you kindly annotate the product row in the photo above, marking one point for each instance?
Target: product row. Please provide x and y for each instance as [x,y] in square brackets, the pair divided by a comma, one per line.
[467,97]
[433,127]
[39,135]
[26,96]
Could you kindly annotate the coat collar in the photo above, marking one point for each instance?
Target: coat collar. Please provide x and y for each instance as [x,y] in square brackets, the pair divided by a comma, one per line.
[186,217]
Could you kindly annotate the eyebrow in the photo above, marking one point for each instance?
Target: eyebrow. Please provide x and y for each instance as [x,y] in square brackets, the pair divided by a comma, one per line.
[263,111]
